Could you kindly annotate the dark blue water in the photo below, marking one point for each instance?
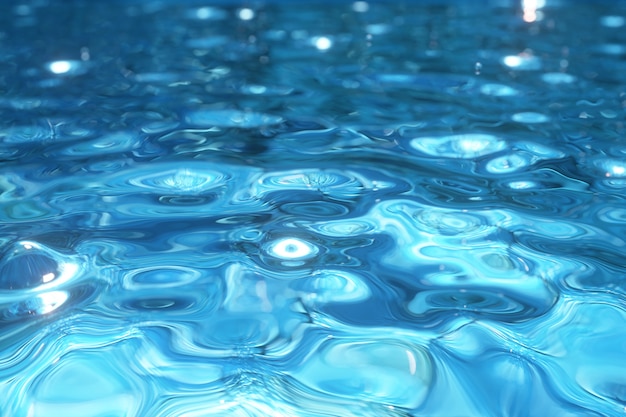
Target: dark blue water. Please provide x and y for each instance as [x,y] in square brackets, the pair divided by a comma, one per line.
[312,209]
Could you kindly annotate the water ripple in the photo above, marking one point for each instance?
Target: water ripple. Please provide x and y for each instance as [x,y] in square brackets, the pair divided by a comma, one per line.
[465,146]
[363,209]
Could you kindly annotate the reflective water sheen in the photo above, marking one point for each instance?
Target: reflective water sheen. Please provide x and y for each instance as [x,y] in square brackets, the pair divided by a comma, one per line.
[212,208]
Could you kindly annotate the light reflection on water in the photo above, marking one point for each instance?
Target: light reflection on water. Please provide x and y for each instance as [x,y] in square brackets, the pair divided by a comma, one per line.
[348,209]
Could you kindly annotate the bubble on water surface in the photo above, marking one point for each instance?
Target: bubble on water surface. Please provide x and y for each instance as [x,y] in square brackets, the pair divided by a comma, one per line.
[463,146]
[30,265]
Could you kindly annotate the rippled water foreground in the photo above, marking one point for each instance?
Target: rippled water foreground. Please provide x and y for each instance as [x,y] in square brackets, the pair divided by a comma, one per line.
[351,209]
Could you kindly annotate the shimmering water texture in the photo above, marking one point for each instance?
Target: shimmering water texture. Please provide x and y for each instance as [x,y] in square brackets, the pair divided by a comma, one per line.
[298,210]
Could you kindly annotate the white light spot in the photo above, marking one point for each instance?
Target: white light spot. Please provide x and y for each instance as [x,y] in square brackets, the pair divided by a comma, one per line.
[524,61]
[60,67]
[530,8]
[522,185]
[51,301]
[67,67]
[512,61]
[412,363]
[618,170]
[47,277]
[322,43]
[292,248]
[246,14]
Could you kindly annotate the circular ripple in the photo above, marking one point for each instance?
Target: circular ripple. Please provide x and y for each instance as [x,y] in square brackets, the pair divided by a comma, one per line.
[158,303]
[111,143]
[160,277]
[484,302]
[509,163]
[329,182]
[183,180]
[291,249]
[449,223]
[176,200]
[323,209]
[171,179]
[351,227]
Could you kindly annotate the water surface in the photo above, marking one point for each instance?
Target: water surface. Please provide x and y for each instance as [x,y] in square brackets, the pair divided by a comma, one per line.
[306,209]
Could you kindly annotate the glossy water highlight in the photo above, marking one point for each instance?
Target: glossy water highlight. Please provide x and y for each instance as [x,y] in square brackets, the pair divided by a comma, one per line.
[348,209]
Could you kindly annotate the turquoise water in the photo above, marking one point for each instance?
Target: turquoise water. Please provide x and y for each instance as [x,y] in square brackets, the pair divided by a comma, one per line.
[312,209]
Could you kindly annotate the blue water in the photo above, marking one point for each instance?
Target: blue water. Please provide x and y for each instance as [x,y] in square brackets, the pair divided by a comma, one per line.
[312,209]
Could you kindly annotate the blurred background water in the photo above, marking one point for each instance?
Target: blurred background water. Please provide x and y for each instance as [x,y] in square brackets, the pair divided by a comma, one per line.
[220,208]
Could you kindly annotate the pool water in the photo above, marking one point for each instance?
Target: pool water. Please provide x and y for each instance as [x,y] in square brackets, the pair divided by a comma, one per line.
[212,208]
